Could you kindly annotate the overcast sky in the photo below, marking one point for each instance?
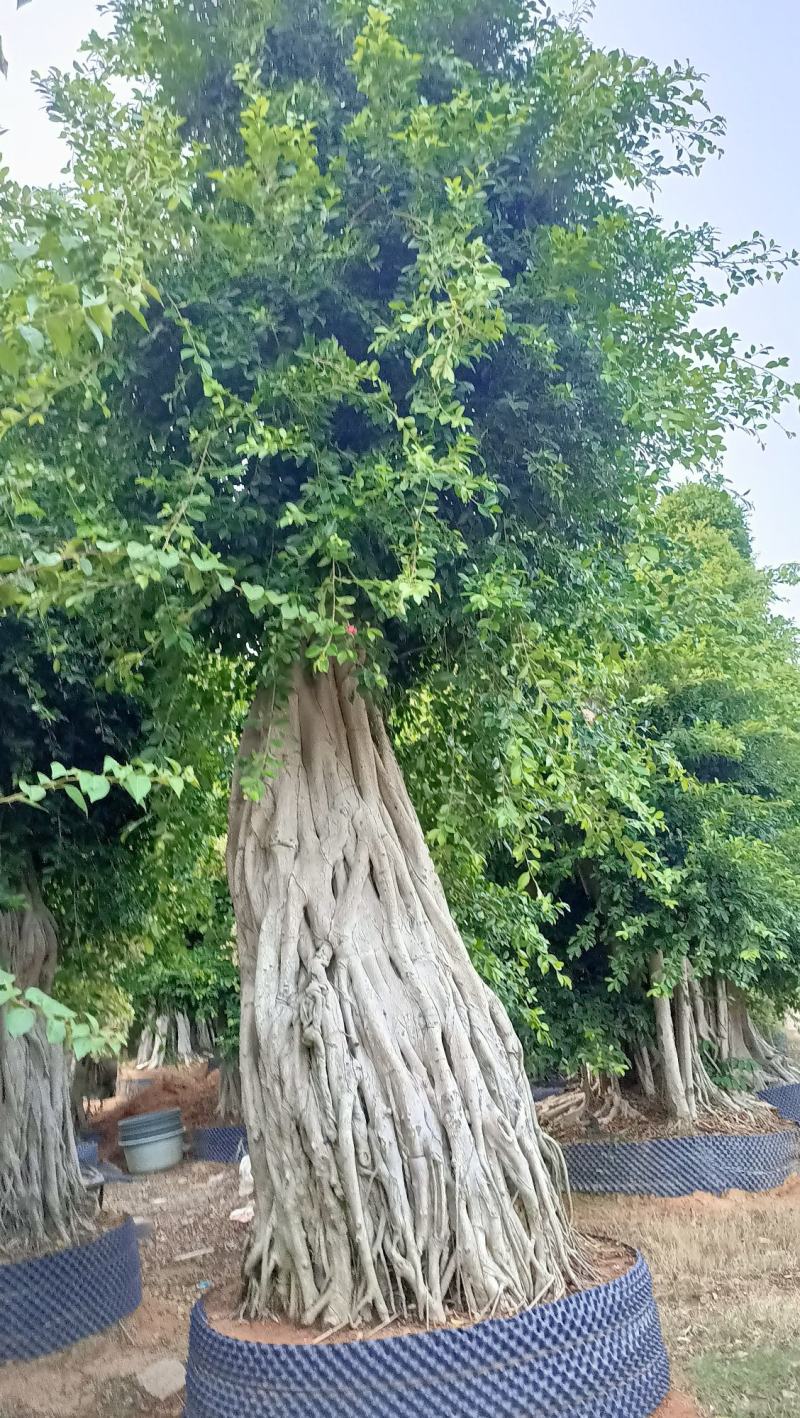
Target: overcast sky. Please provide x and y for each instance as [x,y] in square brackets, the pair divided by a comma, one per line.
[750,56]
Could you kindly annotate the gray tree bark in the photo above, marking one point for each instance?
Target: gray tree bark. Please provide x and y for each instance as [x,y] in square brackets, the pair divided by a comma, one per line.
[146,1042]
[183,1046]
[41,1192]
[229,1102]
[397,1159]
[687,1086]
[160,1038]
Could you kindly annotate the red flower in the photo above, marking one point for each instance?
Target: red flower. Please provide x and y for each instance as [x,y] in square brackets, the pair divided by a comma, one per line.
[351,630]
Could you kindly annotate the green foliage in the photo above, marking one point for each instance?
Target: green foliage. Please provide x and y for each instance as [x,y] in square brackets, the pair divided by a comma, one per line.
[343,347]
[80,1032]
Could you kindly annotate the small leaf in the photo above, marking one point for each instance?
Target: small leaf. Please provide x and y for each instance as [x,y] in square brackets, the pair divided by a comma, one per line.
[33,338]
[19,1019]
[138,785]
[56,1031]
[94,786]
[57,770]
[32,791]
[94,327]
[82,1047]
[9,563]
[47,1004]
[76,796]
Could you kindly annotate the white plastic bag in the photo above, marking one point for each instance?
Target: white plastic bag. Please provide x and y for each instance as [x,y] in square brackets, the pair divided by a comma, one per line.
[245,1177]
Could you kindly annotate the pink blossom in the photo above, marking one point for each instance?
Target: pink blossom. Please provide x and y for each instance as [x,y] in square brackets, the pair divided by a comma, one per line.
[351,630]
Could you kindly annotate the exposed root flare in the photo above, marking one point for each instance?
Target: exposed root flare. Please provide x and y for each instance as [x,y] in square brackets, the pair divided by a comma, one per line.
[682,1022]
[398,1163]
[41,1192]
[229,1102]
[597,1105]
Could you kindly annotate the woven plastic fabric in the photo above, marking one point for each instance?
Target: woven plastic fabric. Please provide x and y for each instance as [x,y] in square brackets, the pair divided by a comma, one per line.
[598,1354]
[221,1144]
[58,1299]
[786,1098]
[677,1166]
[87,1154]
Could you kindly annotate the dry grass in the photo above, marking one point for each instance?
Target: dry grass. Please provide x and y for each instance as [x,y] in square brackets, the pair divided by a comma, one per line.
[727,1279]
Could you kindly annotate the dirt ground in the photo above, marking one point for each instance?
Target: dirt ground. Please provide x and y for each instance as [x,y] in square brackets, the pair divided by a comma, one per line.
[726,1272]
[727,1279]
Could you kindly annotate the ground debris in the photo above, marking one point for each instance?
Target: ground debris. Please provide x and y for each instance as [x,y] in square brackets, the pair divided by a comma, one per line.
[163,1379]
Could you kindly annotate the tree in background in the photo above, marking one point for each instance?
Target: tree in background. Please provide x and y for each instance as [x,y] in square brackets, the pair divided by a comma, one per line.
[53,716]
[409,367]
[716,688]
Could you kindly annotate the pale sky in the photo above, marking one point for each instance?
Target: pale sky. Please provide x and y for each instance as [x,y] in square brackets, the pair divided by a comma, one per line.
[750,56]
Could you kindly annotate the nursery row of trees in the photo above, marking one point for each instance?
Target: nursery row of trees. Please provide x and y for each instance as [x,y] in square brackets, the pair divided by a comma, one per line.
[343,399]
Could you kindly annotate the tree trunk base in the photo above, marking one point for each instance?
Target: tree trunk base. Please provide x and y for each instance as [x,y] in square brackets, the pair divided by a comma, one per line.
[398,1164]
[42,1197]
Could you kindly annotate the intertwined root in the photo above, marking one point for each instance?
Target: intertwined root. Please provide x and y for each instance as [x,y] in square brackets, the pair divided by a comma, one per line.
[41,1193]
[397,1159]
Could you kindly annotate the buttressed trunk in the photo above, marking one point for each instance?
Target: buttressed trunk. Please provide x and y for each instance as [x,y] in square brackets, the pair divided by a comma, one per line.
[41,1193]
[397,1160]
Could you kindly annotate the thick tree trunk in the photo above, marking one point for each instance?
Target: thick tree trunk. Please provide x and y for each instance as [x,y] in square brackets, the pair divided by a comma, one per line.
[746,1043]
[673,1089]
[204,1036]
[41,1192]
[146,1041]
[183,1046]
[397,1159]
[644,1068]
[229,1103]
[687,1086]
[160,1037]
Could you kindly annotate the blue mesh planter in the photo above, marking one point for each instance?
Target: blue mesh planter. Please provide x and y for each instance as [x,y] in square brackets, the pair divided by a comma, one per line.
[598,1354]
[219,1144]
[55,1300]
[786,1098]
[677,1166]
[87,1154]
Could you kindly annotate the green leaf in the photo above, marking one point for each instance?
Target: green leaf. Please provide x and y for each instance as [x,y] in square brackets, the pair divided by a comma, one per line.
[19,1020]
[34,792]
[95,329]
[10,563]
[57,770]
[47,1004]
[82,1047]
[95,786]
[76,796]
[56,1030]
[33,338]
[137,785]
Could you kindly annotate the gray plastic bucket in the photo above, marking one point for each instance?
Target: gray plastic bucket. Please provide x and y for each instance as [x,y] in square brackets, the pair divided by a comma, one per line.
[146,1124]
[153,1141]
[155,1152]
